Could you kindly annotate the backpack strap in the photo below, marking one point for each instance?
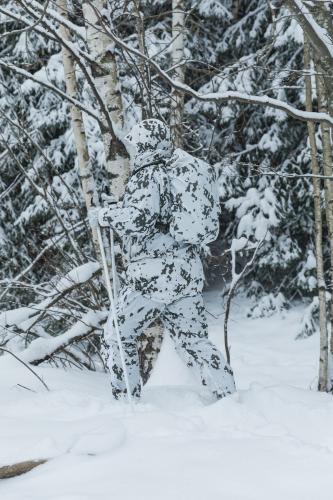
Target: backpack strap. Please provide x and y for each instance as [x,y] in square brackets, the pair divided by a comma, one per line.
[156,162]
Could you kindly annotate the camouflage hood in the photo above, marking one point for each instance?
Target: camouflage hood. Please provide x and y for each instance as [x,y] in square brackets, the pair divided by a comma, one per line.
[148,142]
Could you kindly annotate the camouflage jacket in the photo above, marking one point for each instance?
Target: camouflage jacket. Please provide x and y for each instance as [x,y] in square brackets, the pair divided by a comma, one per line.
[157,265]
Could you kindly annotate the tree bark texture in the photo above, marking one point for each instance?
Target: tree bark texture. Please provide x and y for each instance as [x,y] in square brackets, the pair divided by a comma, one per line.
[87,180]
[323,355]
[325,103]
[328,171]
[8,471]
[102,49]
[143,67]
[104,71]
[177,52]
[319,46]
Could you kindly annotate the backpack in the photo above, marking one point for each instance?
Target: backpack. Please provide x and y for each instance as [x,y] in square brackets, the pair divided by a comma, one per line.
[195,206]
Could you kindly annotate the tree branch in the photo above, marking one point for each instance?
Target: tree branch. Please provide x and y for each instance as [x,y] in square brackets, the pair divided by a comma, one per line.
[229,95]
[50,86]
[24,364]
[318,37]
[234,284]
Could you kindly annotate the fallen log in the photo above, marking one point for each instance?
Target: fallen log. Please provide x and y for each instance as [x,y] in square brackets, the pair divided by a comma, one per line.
[8,471]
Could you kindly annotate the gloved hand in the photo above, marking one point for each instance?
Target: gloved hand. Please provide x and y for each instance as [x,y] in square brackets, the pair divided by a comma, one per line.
[108,199]
[93,213]
[104,218]
[105,214]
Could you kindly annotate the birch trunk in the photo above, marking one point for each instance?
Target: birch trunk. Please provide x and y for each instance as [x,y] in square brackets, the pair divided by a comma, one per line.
[235,8]
[150,343]
[144,69]
[87,180]
[328,171]
[177,51]
[323,356]
[325,103]
[106,80]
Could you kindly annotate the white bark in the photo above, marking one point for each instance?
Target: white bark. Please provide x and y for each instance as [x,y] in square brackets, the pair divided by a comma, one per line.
[143,67]
[105,77]
[318,35]
[325,104]
[323,356]
[87,180]
[177,55]
[328,170]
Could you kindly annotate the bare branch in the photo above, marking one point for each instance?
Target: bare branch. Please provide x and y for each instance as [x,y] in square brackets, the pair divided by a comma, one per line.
[12,186]
[50,86]
[30,27]
[27,366]
[27,22]
[235,282]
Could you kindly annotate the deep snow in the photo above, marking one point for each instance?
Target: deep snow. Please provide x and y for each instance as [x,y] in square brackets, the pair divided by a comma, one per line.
[272,440]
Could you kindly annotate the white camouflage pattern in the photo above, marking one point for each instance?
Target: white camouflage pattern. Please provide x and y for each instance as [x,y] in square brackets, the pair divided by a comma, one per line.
[164,278]
[185,321]
[195,206]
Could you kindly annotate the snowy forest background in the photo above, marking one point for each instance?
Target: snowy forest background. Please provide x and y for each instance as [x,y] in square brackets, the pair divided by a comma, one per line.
[52,301]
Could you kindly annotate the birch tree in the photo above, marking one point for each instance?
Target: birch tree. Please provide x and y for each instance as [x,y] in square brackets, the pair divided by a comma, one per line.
[84,164]
[143,76]
[178,64]
[104,71]
[323,356]
[318,31]
[234,90]
[324,75]
[102,51]
[328,171]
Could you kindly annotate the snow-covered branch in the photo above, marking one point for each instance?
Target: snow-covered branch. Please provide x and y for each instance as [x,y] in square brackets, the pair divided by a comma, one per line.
[218,97]
[22,19]
[222,97]
[318,36]
[51,244]
[50,86]
[24,318]
[53,14]
[41,349]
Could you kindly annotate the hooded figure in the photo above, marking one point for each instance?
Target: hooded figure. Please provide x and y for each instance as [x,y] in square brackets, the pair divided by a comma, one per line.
[163,277]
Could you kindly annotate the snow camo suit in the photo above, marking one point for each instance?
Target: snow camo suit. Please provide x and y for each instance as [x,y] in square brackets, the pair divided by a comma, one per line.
[164,278]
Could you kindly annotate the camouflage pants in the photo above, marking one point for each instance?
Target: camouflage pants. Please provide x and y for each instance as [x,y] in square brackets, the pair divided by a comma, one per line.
[186,322]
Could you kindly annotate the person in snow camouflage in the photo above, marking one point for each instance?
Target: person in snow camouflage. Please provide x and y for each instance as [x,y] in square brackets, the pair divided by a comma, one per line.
[164,278]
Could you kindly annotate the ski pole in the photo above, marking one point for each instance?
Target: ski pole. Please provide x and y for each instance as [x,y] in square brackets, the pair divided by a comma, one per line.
[114,314]
[113,267]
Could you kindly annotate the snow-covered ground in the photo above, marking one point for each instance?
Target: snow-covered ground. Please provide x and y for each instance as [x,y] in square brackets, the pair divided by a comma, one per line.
[272,440]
